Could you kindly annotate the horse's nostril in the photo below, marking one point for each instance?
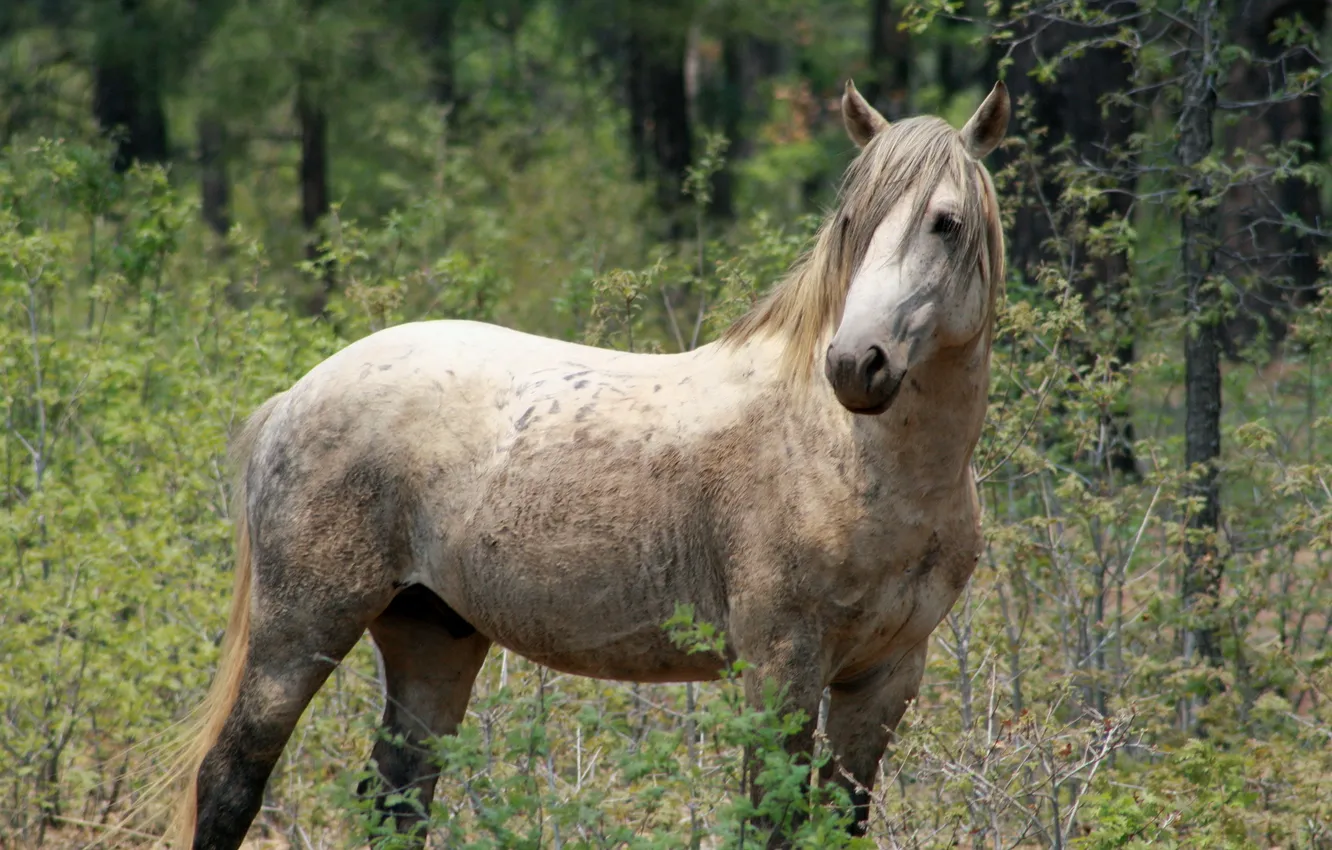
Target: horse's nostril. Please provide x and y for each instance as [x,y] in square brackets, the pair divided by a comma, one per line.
[876,360]
[872,362]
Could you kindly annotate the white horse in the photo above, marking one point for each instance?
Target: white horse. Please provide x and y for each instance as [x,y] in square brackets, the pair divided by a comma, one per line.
[804,483]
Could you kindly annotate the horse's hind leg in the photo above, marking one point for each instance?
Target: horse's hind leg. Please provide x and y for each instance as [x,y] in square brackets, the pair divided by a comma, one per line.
[431,658]
[290,654]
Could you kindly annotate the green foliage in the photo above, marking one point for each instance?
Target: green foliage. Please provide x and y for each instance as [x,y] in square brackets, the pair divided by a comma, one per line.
[522,785]
[119,391]
[1197,802]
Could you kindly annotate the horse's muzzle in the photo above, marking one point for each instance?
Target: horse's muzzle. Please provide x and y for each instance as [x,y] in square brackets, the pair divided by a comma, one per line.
[863,381]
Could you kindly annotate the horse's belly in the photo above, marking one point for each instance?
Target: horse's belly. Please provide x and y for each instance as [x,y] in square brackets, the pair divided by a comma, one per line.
[582,610]
[605,635]
[631,660]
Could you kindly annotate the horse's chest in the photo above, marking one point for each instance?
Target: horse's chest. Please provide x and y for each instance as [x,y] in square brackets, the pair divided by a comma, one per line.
[903,594]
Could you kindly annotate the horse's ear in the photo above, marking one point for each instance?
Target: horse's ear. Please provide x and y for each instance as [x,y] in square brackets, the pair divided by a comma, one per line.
[986,129]
[862,120]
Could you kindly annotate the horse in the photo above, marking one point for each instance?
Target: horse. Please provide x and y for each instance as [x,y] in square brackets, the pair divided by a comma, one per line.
[804,482]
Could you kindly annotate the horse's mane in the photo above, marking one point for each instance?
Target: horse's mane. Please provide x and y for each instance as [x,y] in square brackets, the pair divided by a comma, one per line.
[916,153]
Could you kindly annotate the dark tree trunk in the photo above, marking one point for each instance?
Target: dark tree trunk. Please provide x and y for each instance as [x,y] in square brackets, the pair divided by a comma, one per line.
[734,97]
[638,97]
[746,60]
[127,87]
[215,189]
[889,85]
[1070,109]
[1202,347]
[659,115]
[670,125]
[958,66]
[1280,265]
[314,183]
[437,33]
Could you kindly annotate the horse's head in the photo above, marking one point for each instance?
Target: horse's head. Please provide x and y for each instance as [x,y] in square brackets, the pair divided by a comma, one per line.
[920,228]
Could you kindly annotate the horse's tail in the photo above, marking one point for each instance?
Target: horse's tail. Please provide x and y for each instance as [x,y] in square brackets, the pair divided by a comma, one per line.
[206,725]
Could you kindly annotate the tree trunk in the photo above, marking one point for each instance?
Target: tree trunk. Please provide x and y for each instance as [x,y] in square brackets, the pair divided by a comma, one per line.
[1202,347]
[314,183]
[670,126]
[1070,109]
[127,87]
[1282,265]
[734,97]
[889,85]
[746,60]
[638,97]
[958,68]
[437,26]
[214,187]
[659,115]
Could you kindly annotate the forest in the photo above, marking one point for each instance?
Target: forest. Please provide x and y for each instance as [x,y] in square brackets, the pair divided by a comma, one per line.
[202,199]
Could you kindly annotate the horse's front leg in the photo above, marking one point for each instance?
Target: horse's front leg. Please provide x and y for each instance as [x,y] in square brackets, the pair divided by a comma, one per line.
[862,716]
[786,666]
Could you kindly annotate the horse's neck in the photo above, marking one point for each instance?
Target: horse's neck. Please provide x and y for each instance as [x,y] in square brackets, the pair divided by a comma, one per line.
[929,433]
[924,440]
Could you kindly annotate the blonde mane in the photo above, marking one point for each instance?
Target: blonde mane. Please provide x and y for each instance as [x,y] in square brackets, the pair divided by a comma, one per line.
[916,153]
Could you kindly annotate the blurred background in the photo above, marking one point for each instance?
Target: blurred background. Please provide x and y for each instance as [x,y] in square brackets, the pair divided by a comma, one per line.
[201,199]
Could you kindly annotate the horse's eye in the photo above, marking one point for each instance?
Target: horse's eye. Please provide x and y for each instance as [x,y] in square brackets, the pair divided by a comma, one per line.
[947,224]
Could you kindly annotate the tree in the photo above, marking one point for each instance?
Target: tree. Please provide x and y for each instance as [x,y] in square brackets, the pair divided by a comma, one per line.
[659,125]
[1163,76]
[435,24]
[1077,124]
[214,185]
[747,59]
[214,143]
[1213,176]
[1280,262]
[1202,334]
[312,121]
[889,85]
[128,78]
